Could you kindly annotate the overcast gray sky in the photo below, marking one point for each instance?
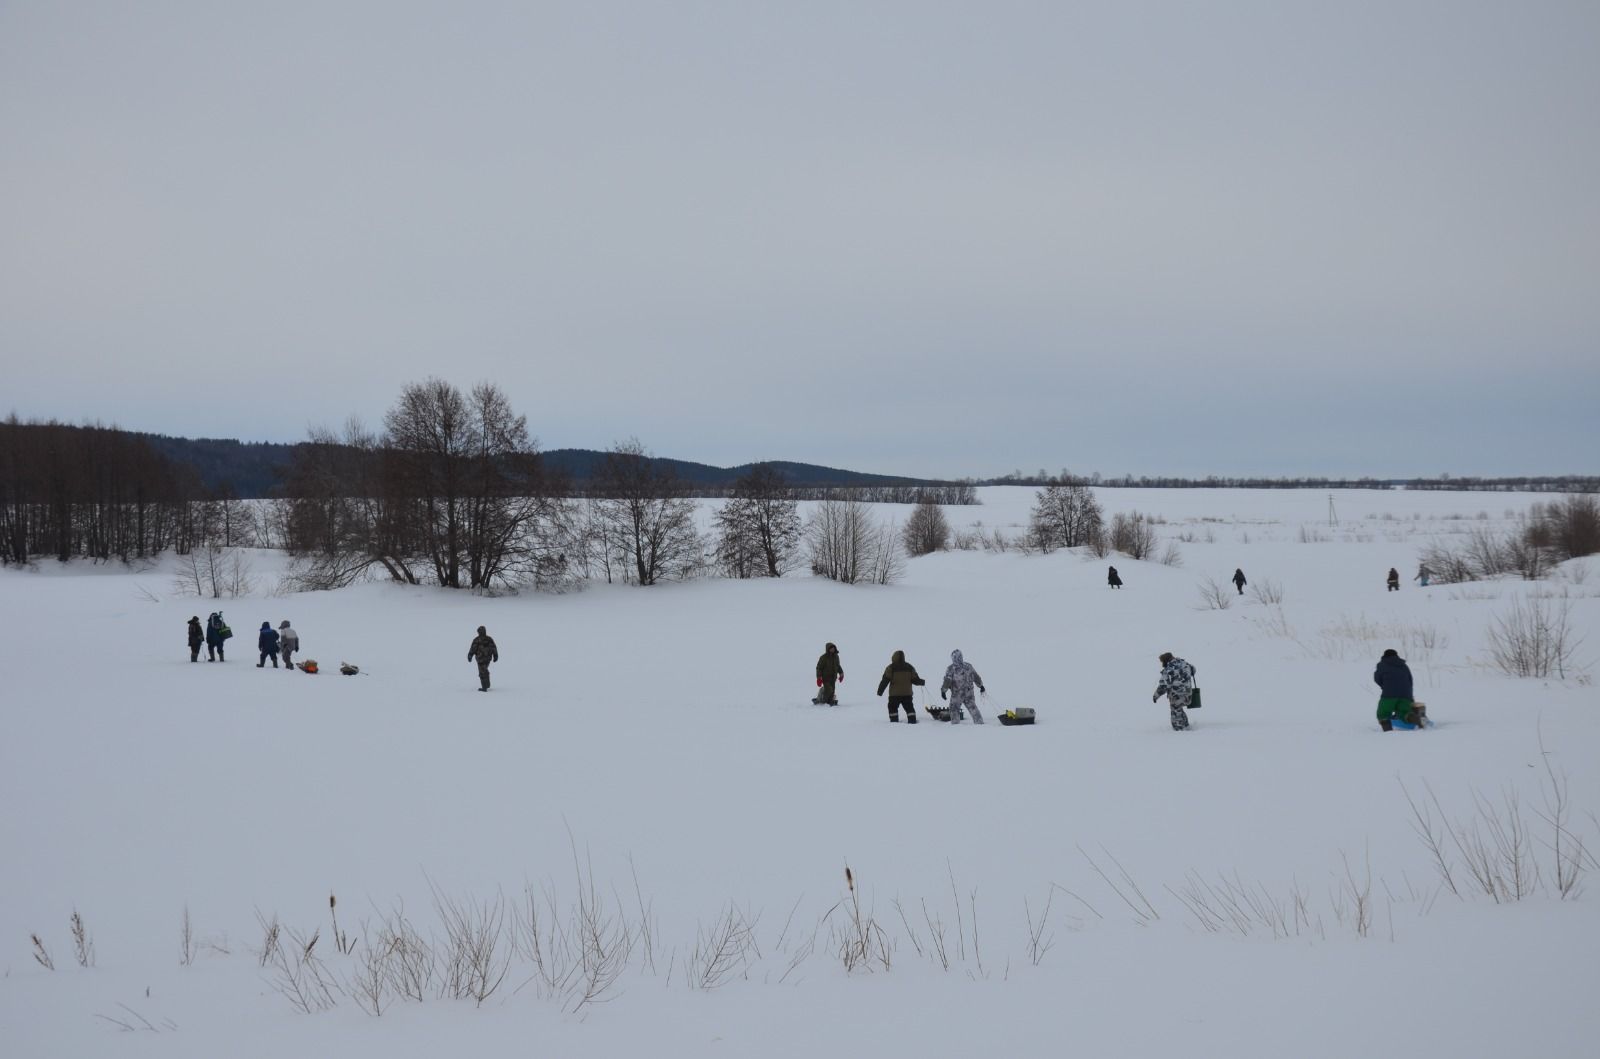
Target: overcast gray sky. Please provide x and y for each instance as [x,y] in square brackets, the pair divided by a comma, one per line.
[923,238]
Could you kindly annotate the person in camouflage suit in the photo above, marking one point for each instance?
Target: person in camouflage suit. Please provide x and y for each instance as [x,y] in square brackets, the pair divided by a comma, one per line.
[959,678]
[829,670]
[483,651]
[1177,684]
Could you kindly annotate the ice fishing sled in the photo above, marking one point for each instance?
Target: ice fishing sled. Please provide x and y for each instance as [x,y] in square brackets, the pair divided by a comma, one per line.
[1017,715]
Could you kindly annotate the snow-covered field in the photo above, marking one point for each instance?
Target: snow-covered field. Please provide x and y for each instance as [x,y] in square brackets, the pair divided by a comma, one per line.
[652,756]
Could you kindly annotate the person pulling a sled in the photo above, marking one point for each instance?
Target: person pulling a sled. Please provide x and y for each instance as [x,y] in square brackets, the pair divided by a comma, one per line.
[829,670]
[899,677]
[483,651]
[1177,684]
[288,643]
[196,638]
[1397,707]
[268,643]
[1238,579]
[959,678]
[1112,578]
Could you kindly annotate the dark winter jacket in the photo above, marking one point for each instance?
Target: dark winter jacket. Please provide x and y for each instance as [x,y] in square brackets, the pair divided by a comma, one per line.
[268,640]
[214,627]
[899,676]
[1394,576]
[1394,677]
[828,667]
[483,649]
[1238,578]
[196,637]
[1112,578]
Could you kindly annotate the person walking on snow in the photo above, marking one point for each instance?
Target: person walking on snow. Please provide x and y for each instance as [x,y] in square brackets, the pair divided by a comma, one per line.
[196,638]
[900,676]
[1422,575]
[1238,579]
[268,643]
[959,677]
[214,637]
[1113,579]
[1394,579]
[1177,684]
[483,651]
[1396,706]
[288,643]
[829,670]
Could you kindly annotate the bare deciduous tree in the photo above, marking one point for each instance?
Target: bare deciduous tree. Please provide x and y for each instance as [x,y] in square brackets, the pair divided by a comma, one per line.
[649,515]
[1065,515]
[759,526]
[927,530]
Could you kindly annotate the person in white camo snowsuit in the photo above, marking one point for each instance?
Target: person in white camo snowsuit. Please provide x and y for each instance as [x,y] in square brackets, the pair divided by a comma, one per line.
[959,679]
[1177,684]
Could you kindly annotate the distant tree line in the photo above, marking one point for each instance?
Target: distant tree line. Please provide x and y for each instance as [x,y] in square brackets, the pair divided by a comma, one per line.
[92,492]
[1528,483]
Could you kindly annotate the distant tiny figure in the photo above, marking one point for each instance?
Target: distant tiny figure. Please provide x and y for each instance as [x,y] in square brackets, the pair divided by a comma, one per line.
[829,670]
[1238,580]
[959,678]
[196,637]
[483,651]
[288,643]
[1112,578]
[1177,684]
[900,676]
[1394,579]
[216,630]
[1422,575]
[1397,706]
[268,643]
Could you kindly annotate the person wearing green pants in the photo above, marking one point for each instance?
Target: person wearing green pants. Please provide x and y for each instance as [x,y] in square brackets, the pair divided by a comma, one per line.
[1396,702]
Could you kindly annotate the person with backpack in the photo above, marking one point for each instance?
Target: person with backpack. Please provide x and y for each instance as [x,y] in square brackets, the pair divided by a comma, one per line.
[959,678]
[288,643]
[829,671]
[1396,701]
[483,651]
[1177,684]
[1238,579]
[217,633]
[1113,578]
[268,643]
[899,677]
[1394,579]
[196,638]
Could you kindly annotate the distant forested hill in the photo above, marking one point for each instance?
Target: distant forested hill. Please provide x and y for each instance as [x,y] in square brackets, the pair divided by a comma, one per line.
[254,468]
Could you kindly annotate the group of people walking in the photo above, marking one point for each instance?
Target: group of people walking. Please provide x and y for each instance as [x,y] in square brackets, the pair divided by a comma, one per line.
[215,636]
[899,679]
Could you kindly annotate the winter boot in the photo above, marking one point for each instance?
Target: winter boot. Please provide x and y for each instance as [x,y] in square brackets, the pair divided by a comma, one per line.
[1387,726]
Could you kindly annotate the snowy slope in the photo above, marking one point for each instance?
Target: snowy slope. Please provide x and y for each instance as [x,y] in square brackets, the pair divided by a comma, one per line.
[659,745]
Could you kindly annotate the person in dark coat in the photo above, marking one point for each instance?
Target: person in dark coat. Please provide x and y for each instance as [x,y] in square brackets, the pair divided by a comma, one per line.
[1238,579]
[196,638]
[899,677]
[1394,579]
[829,671]
[214,638]
[483,651]
[268,643]
[1112,578]
[1396,701]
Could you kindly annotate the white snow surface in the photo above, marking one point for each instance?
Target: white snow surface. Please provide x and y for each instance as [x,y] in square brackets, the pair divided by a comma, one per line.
[660,742]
